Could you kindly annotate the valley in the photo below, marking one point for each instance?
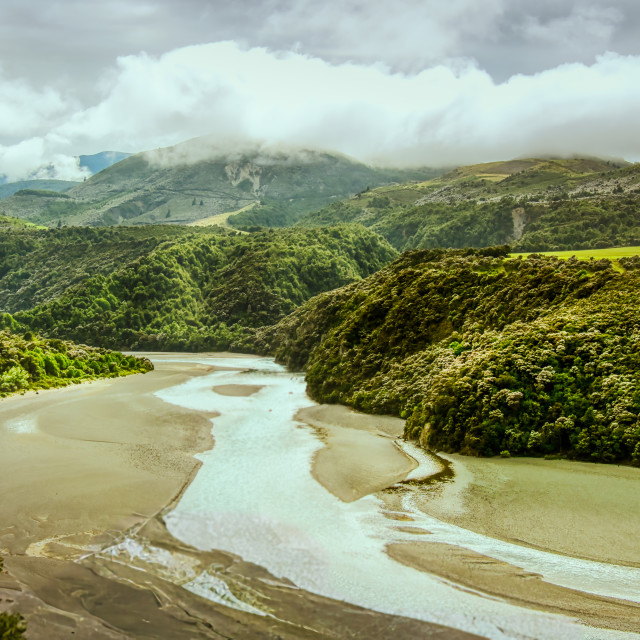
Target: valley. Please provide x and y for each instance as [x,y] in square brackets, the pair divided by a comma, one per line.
[482,319]
[218,551]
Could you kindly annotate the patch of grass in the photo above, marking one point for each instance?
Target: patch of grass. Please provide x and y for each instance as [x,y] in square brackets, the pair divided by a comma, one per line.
[611,253]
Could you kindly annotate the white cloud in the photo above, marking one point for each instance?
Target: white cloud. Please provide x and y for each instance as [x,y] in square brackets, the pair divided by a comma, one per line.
[25,110]
[447,114]
[39,157]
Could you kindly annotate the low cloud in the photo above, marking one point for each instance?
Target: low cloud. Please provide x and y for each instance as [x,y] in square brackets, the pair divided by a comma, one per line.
[448,114]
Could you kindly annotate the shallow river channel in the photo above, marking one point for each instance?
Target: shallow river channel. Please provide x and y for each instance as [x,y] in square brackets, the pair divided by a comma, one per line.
[254,496]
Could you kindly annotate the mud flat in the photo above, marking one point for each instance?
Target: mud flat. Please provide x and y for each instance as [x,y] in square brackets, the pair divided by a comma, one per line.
[88,474]
[578,509]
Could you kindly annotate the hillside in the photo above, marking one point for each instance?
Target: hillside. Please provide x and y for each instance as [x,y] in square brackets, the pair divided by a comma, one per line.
[174,288]
[535,205]
[193,181]
[38,265]
[482,354]
[58,186]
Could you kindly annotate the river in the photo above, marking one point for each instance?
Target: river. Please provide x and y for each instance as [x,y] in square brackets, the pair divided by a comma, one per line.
[254,496]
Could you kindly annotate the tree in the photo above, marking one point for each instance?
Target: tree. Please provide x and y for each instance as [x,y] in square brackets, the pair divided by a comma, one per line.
[12,626]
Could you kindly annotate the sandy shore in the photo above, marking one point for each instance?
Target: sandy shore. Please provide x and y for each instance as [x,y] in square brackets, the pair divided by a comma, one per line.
[94,458]
[578,509]
[87,467]
[359,456]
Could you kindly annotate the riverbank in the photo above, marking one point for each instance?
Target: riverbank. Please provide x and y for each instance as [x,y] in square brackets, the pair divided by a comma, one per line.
[586,511]
[96,457]
[88,474]
[580,509]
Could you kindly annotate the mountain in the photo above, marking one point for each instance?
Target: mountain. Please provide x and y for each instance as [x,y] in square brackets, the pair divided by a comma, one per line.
[194,181]
[534,204]
[99,161]
[59,186]
[168,287]
[482,354]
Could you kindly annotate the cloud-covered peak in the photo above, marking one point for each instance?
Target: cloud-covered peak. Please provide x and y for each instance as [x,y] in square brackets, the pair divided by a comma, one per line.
[425,83]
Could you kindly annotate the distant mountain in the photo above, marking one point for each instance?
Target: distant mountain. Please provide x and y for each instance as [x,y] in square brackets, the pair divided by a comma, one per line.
[99,161]
[533,204]
[194,181]
[60,186]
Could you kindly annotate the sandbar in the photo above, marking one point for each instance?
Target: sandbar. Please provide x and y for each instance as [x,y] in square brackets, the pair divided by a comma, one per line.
[580,509]
[237,390]
[499,579]
[360,456]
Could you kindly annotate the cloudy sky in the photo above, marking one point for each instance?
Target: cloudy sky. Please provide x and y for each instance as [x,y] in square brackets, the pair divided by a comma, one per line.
[413,82]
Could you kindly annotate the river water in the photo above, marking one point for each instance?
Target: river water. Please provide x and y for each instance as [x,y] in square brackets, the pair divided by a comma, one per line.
[255,496]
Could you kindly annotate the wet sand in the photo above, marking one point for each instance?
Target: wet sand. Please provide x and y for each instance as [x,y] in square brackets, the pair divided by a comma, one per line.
[237,390]
[94,458]
[359,456]
[580,509]
[523,588]
[90,466]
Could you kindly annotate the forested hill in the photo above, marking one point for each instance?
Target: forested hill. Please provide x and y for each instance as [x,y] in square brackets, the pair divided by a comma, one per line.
[193,181]
[535,205]
[482,354]
[173,288]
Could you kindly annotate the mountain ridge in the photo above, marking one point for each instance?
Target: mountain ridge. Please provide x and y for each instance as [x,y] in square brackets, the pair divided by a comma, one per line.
[166,186]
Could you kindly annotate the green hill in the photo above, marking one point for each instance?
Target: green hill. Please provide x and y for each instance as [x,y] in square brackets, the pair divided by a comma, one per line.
[174,288]
[39,264]
[57,186]
[192,181]
[535,205]
[482,354]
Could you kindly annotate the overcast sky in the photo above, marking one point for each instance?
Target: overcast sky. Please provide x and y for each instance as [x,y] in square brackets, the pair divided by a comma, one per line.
[421,82]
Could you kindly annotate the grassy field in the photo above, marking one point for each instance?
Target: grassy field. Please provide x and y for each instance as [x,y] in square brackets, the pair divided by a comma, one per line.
[611,253]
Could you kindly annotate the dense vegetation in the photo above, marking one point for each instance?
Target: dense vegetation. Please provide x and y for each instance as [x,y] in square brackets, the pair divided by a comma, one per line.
[38,265]
[30,362]
[482,354]
[12,626]
[167,289]
[542,207]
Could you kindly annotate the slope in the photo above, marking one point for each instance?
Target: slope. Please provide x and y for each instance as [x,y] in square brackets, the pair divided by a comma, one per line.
[536,205]
[194,180]
[482,354]
[205,289]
